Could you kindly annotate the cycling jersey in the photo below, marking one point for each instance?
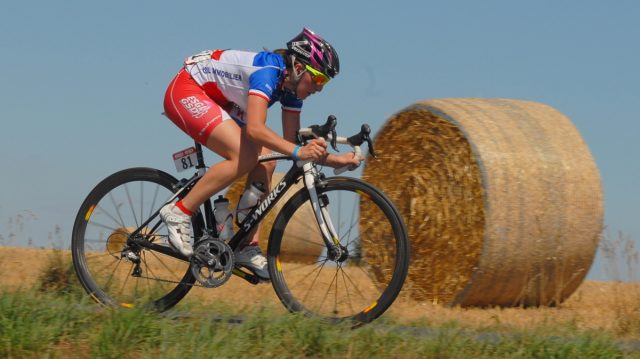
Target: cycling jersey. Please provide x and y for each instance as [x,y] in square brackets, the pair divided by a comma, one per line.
[230,76]
[214,86]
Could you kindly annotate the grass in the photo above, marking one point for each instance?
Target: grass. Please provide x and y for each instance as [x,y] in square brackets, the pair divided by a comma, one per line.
[36,324]
[55,318]
[622,261]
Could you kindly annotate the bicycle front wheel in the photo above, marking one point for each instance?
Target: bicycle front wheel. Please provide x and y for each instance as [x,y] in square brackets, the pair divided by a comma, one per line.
[361,284]
[113,271]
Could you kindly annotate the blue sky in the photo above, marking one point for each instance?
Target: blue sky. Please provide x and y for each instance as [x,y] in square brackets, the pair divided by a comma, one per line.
[82,82]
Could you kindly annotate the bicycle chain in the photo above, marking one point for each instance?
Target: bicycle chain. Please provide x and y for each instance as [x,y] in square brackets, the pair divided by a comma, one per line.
[195,284]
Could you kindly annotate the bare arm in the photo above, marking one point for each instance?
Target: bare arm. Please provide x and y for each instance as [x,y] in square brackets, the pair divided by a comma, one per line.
[290,125]
[258,132]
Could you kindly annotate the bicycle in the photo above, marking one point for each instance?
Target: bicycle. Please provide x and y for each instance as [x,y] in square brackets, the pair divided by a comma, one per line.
[122,257]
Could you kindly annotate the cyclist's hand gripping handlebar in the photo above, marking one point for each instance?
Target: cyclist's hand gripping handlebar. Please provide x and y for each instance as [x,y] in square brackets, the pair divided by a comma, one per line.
[355,142]
[328,132]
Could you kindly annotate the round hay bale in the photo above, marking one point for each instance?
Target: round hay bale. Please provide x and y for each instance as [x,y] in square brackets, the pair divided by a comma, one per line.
[298,229]
[502,200]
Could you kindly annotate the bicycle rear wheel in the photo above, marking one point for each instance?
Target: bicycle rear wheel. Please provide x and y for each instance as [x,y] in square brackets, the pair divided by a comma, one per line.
[359,286]
[115,208]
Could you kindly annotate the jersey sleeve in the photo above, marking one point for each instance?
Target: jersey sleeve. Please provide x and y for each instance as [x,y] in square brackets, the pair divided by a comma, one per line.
[264,82]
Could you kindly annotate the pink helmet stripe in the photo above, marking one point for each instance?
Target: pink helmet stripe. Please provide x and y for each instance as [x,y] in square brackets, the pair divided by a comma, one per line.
[315,51]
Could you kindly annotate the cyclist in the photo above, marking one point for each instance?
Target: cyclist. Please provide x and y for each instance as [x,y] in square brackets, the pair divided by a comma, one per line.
[220,98]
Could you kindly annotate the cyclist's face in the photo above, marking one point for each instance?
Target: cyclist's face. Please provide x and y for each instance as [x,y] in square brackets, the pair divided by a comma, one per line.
[307,86]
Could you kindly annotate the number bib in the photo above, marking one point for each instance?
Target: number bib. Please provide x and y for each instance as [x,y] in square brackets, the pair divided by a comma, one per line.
[185,159]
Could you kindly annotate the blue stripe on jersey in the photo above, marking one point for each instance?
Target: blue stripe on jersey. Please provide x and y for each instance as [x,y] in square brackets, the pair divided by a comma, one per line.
[267,78]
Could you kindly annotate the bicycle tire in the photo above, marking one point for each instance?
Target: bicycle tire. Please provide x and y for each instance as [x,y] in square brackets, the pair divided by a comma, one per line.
[367,282]
[99,237]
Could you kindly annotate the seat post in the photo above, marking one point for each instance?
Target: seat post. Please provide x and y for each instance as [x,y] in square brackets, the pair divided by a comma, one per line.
[200,155]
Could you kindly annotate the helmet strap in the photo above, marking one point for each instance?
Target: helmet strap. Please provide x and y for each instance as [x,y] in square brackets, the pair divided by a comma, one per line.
[295,76]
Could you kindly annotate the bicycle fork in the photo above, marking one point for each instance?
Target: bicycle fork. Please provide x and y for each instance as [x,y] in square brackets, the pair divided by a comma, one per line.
[320,205]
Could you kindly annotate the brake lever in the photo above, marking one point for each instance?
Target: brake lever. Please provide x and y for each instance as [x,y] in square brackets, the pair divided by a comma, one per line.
[329,128]
[365,131]
[334,140]
[370,145]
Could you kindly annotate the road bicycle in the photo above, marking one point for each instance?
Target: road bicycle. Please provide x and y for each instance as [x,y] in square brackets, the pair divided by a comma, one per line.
[338,248]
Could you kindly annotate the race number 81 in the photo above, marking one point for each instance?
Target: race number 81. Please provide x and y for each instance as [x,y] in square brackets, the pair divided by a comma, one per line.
[185,159]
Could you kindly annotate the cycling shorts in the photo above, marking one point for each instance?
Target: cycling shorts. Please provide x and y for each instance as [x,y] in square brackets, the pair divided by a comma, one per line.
[191,109]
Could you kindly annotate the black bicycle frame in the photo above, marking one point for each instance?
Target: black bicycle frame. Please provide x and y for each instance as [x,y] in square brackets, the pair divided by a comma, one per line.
[258,212]
[254,217]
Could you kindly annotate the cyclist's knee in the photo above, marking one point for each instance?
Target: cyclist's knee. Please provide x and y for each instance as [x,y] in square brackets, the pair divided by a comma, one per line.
[246,161]
[269,167]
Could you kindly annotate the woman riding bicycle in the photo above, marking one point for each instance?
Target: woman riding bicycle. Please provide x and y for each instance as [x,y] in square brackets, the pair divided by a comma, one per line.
[221,85]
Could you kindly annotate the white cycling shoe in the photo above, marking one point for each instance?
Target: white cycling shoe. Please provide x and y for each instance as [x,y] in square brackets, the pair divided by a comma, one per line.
[251,258]
[179,227]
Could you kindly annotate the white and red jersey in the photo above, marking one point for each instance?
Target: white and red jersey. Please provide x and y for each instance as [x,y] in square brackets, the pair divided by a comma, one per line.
[230,76]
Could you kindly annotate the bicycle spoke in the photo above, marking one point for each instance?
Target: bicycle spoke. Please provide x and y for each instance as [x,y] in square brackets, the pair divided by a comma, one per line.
[369,273]
[151,274]
[304,265]
[141,200]
[327,293]
[126,278]
[117,208]
[102,226]
[355,218]
[135,218]
[346,289]
[96,241]
[339,212]
[164,265]
[309,225]
[97,244]
[107,285]
[335,297]
[304,278]
[349,234]
[304,240]
[314,280]
[341,288]
[102,210]
[153,203]
[105,254]
[107,265]
[353,283]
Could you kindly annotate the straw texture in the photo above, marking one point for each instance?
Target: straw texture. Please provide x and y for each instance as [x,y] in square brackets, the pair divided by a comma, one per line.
[502,200]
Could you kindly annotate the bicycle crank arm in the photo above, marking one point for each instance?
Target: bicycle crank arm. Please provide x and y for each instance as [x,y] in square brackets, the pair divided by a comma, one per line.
[246,276]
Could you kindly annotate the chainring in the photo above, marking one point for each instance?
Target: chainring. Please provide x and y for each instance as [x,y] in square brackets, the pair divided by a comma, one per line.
[212,262]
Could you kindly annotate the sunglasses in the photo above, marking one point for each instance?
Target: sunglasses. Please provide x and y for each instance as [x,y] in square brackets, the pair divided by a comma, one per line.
[318,77]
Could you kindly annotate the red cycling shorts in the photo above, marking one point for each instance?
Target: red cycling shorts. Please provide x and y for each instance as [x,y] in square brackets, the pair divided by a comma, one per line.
[189,107]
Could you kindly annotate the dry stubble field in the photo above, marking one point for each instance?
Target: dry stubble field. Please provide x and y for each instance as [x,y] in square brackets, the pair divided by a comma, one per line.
[604,306]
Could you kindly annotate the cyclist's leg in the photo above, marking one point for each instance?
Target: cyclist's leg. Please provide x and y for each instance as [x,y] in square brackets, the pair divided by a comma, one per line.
[262,172]
[240,156]
[195,113]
